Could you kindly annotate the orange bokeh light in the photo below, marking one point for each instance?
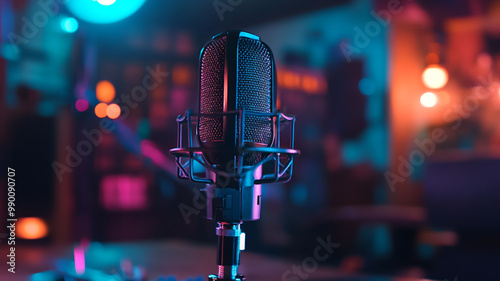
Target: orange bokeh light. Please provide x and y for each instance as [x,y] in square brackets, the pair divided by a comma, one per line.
[181,75]
[31,228]
[105,91]
[101,110]
[428,99]
[310,84]
[435,76]
[113,111]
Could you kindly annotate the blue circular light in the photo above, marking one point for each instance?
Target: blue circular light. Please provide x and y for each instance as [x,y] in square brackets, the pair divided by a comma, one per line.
[69,25]
[106,2]
[104,11]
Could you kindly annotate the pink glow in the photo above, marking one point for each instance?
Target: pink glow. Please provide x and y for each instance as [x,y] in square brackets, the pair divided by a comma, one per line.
[82,105]
[150,150]
[123,192]
[79,253]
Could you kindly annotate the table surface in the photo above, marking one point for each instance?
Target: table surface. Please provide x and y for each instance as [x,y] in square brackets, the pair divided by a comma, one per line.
[162,258]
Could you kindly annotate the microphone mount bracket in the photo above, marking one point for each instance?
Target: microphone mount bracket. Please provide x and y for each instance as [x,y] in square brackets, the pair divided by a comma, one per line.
[189,153]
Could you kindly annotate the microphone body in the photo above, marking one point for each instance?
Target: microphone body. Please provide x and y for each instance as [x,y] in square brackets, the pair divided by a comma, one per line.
[237,138]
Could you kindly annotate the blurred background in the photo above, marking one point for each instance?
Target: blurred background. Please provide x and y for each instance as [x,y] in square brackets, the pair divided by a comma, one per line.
[396,104]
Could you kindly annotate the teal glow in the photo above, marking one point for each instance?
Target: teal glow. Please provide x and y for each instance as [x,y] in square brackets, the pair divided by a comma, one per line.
[9,52]
[144,128]
[298,194]
[45,276]
[104,11]
[106,2]
[167,189]
[425,251]
[47,108]
[69,25]
[375,240]
[366,86]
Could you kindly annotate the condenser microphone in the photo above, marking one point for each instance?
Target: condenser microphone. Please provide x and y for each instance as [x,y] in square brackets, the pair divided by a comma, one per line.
[237,133]
[237,75]
[237,72]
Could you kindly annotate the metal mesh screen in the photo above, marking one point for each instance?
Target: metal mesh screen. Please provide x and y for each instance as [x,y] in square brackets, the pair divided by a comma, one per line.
[212,90]
[254,89]
[253,93]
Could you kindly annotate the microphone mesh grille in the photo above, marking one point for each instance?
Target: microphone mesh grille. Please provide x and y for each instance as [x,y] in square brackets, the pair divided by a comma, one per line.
[254,89]
[212,89]
[253,94]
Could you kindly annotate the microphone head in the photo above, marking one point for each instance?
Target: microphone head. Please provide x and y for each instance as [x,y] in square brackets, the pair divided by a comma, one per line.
[237,71]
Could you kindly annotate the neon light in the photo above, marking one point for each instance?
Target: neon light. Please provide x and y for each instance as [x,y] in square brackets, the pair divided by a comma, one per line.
[69,25]
[123,192]
[151,151]
[104,11]
[79,254]
[106,2]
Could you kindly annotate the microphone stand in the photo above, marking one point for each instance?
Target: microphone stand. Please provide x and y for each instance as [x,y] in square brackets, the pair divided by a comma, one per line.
[230,201]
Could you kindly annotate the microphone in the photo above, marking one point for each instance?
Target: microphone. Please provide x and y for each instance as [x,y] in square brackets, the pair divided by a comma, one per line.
[237,138]
[236,71]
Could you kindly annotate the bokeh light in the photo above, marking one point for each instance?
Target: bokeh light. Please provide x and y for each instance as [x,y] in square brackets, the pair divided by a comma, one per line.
[428,99]
[106,2]
[31,228]
[81,105]
[181,74]
[101,110]
[435,76]
[103,11]
[310,84]
[69,24]
[113,111]
[105,91]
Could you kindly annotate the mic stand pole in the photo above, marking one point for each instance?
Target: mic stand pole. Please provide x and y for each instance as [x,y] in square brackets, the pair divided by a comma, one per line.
[228,252]
[230,201]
